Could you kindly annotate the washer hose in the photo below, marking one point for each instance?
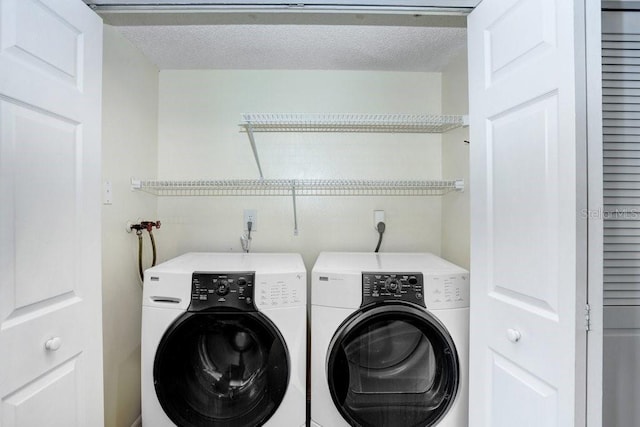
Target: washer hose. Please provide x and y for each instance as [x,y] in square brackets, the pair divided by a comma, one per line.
[145,225]
[153,246]
[140,271]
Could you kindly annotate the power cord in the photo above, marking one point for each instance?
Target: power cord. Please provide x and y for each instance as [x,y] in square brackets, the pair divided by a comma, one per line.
[381,226]
[245,239]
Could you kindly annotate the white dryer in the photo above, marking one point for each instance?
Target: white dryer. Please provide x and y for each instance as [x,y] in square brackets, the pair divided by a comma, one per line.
[224,341]
[389,341]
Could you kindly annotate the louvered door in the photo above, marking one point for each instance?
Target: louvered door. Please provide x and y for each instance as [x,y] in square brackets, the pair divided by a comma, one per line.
[621,137]
[621,120]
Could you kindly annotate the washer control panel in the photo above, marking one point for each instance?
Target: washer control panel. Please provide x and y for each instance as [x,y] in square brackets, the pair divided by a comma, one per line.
[218,290]
[377,287]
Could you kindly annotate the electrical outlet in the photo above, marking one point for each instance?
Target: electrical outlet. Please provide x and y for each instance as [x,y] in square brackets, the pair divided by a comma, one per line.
[378,216]
[250,215]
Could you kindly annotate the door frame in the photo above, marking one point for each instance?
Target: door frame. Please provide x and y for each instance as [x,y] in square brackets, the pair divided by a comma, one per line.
[590,87]
[595,206]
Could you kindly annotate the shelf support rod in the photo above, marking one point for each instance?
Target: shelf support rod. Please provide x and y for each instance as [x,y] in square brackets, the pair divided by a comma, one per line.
[295,211]
[253,147]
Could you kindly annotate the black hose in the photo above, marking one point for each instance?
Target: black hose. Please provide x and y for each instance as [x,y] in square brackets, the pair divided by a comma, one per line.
[249,227]
[140,271]
[381,226]
[153,246]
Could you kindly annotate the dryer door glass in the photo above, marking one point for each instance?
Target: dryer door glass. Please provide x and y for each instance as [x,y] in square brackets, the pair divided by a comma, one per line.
[223,369]
[393,365]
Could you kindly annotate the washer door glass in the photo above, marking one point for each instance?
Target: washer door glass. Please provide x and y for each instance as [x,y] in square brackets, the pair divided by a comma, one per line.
[392,365]
[224,369]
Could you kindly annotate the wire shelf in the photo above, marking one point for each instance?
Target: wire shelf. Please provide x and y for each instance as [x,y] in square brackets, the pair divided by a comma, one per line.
[305,187]
[369,123]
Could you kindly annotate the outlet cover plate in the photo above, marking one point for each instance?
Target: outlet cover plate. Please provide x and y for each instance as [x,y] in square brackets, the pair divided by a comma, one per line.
[250,215]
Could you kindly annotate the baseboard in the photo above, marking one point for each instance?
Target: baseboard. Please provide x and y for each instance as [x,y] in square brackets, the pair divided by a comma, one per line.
[137,422]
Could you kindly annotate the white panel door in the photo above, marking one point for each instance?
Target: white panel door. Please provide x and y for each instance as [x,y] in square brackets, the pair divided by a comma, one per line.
[50,281]
[528,239]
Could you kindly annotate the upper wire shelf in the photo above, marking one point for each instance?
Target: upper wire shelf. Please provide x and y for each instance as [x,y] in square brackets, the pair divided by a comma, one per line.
[343,122]
[297,187]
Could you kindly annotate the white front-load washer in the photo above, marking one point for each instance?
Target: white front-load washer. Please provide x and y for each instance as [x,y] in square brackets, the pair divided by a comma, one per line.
[224,341]
[389,341]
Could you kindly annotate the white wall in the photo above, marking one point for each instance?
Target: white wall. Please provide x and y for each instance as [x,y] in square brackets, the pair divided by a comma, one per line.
[199,138]
[129,138]
[455,164]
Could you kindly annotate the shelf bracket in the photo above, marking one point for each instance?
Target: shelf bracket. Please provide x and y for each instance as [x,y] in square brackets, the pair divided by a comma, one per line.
[253,147]
[295,211]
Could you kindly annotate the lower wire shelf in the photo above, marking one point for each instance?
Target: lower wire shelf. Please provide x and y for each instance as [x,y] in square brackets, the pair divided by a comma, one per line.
[296,187]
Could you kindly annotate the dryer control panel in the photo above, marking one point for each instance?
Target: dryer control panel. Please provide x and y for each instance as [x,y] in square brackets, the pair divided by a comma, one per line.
[378,287]
[222,290]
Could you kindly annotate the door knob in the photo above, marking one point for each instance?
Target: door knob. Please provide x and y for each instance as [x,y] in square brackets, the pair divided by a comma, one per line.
[513,335]
[53,344]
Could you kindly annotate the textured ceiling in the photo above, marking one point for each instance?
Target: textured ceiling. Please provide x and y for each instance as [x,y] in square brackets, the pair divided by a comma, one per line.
[297,47]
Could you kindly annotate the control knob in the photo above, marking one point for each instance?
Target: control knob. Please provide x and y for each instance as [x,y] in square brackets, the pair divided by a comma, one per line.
[392,285]
[223,288]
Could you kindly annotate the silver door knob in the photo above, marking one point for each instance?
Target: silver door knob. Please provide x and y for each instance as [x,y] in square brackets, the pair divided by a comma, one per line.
[513,335]
[53,344]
